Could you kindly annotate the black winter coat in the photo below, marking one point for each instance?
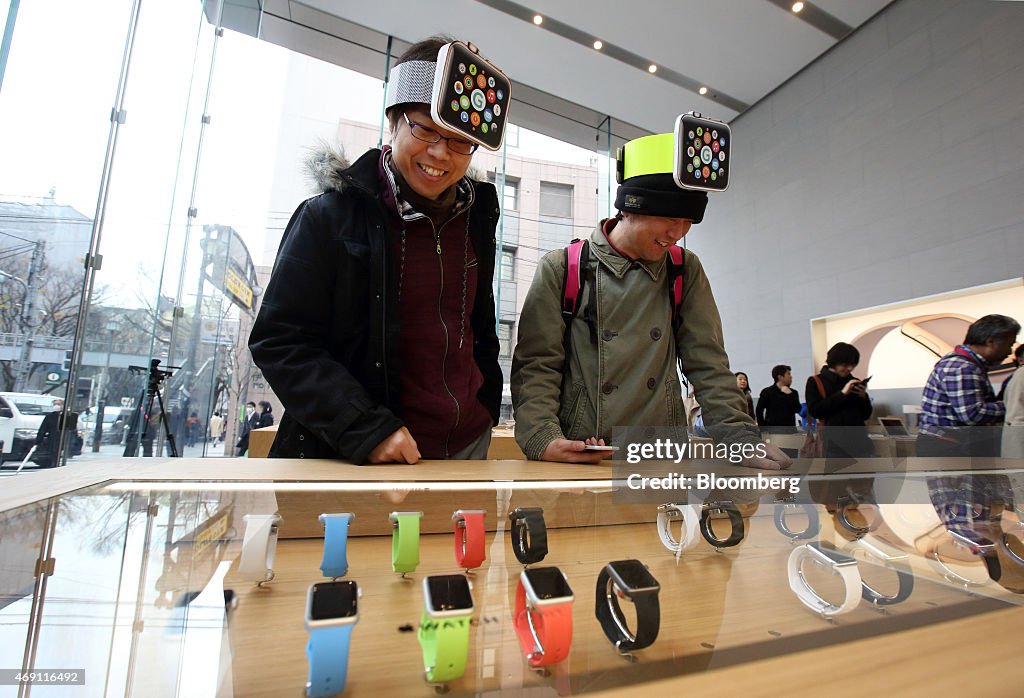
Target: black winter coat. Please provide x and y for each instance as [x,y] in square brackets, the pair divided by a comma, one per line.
[327,331]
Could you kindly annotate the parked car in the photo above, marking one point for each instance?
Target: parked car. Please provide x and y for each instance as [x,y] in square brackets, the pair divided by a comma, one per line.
[115,422]
[20,417]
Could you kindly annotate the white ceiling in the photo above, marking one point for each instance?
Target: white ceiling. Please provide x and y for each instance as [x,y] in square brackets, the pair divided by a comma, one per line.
[743,49]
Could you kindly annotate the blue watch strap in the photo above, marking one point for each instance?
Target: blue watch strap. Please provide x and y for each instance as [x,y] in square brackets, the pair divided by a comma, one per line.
[335,562]
[327,651]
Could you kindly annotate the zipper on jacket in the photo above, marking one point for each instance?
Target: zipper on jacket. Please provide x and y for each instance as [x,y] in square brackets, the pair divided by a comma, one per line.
[444,357]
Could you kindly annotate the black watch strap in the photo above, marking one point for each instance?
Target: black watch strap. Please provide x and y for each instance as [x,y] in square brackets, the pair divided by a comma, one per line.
[606,608]
[735,518]
[906,588]
[529,537]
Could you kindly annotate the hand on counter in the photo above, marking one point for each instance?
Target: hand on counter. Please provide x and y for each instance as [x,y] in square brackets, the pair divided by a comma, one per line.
[775,460]
[566,451]
[400,447]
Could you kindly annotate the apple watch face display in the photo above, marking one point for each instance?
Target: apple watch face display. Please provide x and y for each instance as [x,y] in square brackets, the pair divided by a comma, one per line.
[333,600]
[632,576]
[703,156]
[471,96]
[547,583]
[448,592]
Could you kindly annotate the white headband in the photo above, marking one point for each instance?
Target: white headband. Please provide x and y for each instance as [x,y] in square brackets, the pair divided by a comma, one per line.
[412,81]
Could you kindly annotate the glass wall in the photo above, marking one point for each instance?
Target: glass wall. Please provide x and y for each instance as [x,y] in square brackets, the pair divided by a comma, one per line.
[146,186]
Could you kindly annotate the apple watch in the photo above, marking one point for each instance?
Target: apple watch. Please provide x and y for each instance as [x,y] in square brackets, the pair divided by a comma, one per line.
[844,505]
[405,541]
[735,519]
[335,561]
[628,579]
[784,506]
[543,615]
[839,563]
[444,626]
[529,534]
[332,610]
[470,538]
[685,513]
[890,558]
[983,548]
[259,546]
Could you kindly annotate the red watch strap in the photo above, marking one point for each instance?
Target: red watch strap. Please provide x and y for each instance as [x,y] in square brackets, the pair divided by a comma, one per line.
[475,536]
[554,630]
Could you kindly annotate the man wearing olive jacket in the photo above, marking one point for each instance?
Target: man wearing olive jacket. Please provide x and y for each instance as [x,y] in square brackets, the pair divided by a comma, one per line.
[624,351]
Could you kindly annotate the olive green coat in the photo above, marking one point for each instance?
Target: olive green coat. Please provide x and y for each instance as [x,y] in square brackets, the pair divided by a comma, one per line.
[630,377]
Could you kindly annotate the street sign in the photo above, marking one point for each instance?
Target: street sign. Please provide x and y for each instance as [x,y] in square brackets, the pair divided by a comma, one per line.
[53,378]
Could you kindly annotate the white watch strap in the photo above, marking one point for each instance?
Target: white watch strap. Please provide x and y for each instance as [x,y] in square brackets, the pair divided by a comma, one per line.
[691,526]
[259,546]
[808,597]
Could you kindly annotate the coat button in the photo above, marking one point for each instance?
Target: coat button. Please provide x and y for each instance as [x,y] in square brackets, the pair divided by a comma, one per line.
[651,383]
[302,437]
[607,335]
[607,388]
[378,364]
[302,455]
[656,334]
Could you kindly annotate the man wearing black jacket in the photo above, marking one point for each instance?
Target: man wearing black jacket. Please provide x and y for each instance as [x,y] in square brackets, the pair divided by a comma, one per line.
[779,404]
[377,329]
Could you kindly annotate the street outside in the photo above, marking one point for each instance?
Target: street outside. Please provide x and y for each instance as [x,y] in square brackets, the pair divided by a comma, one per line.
[109,452]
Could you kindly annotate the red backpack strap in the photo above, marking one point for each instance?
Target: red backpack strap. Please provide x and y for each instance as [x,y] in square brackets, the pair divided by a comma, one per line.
[572,284]
[675,278]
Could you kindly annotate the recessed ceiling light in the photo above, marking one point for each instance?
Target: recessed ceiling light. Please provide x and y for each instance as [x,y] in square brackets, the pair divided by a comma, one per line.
[652,68]
[598,44]
[797,6]
[703,90]
[537,19]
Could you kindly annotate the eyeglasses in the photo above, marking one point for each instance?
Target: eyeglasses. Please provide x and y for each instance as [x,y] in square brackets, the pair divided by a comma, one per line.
[429,135]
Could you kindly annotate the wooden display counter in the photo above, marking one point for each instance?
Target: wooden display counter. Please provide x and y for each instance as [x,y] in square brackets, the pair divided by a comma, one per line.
[729,620]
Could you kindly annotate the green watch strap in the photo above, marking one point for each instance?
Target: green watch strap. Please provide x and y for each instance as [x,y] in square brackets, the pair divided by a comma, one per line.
[649,155]
[445,645]
[405,542]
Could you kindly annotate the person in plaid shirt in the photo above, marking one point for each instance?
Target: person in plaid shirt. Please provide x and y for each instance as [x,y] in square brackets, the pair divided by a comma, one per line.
[959,395]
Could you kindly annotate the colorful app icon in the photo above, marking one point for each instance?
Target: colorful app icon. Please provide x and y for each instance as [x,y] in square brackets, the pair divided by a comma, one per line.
[468,82]
[474,118]
[455,105]
[483,127]
[691,133]
[458,87]
[714,134]
[490,82]
[488,116]
[497,110]
[714,164]
[722,141]
[715,147]
[481,81]
[706,172]
[696,173]
[472,68]
[689,167]
[465,116]
[491,97]
[721,171]
[714,176]
[696,143]
[696,161]
[721,156]
[700,131]
[478,100]
[705,155]
[462,68]
[707,137]
[689,152]
[501,96]
[494,127]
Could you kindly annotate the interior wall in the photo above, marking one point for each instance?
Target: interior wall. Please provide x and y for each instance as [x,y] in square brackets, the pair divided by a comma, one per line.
[890,168]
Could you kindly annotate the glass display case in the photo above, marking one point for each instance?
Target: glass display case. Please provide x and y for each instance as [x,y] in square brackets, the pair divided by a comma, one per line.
[186,587]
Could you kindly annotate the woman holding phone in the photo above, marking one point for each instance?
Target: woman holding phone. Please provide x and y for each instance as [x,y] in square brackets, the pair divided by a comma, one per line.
[840,401]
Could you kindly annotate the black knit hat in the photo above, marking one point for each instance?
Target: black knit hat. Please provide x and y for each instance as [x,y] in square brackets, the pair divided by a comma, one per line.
[659,195]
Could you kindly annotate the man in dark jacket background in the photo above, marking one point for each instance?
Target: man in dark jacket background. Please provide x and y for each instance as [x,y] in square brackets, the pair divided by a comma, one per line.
[377,329]
[778,404]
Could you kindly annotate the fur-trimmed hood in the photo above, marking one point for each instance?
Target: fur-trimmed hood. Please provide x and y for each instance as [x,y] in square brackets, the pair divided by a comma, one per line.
[324,166]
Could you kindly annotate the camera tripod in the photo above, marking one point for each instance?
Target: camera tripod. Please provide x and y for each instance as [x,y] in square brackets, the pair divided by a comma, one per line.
[144,417]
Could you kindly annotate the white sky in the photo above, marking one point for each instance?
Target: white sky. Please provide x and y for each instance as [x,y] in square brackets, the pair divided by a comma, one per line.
[55,103]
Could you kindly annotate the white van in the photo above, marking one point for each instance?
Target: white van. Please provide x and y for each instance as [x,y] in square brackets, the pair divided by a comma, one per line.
[20,417]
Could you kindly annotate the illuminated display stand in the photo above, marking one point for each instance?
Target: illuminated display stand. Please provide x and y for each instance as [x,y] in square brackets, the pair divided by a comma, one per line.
[141,584]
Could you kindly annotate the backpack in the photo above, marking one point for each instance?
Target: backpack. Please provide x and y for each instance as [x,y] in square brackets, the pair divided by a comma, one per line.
[577,258]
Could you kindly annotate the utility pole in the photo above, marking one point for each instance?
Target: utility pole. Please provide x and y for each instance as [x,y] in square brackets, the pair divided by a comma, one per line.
[28,311]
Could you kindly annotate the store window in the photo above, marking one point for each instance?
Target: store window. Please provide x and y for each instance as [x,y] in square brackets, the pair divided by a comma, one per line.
[508,265]
[505,339]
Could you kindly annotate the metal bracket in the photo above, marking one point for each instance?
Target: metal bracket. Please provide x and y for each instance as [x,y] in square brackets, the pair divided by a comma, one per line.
[193,212]
[45,567]
[94,262]
[118,116]
[206,118]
